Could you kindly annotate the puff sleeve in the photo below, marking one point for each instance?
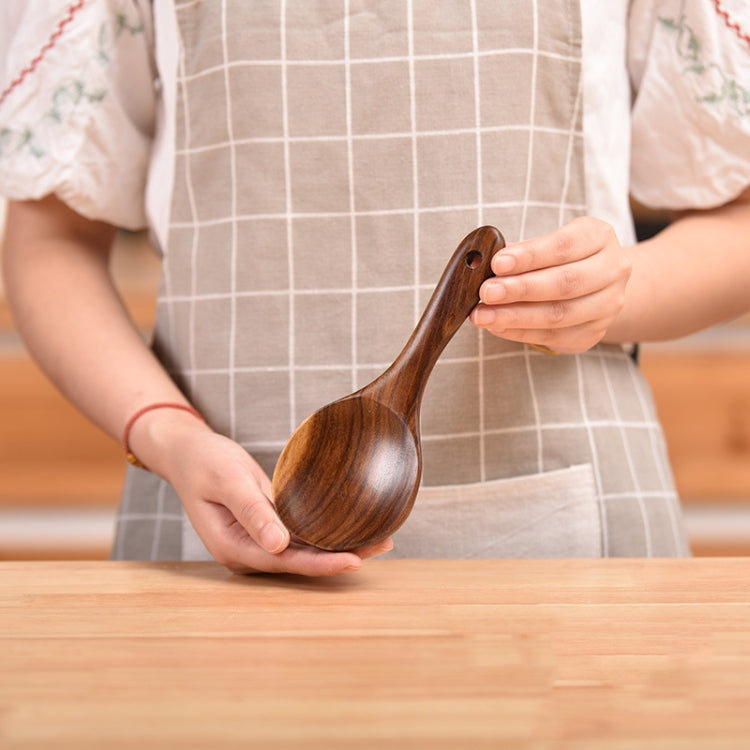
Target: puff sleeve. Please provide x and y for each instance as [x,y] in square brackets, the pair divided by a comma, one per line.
[78,105]
[689,63]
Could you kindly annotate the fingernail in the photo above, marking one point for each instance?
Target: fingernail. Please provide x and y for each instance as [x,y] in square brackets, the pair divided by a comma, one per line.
[483,316]
[493,292]
[352,568]
[273,538]
[382,548]
[502,263]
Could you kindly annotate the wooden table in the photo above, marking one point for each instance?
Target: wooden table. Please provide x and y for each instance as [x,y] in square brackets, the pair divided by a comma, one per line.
[432,654]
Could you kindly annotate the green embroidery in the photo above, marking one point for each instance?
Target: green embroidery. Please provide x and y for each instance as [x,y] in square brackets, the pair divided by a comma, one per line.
[14,140]
[72,95]
[720,87]
[122,25]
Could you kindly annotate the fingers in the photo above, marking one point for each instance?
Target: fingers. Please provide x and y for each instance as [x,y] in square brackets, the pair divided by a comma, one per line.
[566,327]
[233,547]
[238,489]
[565,282]
[376,549]
[225,494]
[216,471]
[547,315]
[309,561]
[258,518]
[574,241]
[563,341]
[561,290]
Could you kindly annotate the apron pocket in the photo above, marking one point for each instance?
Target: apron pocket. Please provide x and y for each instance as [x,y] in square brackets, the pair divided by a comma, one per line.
[555,514]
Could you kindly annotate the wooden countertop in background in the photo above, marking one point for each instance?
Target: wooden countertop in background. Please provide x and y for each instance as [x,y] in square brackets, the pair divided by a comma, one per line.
[431,654]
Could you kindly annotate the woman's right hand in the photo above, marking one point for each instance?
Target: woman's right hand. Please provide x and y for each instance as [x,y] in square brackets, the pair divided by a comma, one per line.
[227,497]
[89,347]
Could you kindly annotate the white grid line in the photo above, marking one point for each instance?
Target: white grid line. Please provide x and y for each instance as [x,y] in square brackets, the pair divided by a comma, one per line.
[166,275]
[413,135]
[546,427]
[480,335]
[127,516]
[654,494]
[532,118]
[572,133]
[159,515]
[380,212]
[333,367]
[289,223]
[352,205]
[629,460]
[364,137]
[334,62]
[361,366]
[524,212]
[234,239]
[214,296]
[657,449]
[535,409]
[187,5]
[499,431]
[589,426]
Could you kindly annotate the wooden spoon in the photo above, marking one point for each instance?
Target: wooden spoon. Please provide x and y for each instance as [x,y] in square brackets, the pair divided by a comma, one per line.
[349,474]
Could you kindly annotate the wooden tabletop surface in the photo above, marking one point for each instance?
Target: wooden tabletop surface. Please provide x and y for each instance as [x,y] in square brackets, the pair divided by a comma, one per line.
[432,654]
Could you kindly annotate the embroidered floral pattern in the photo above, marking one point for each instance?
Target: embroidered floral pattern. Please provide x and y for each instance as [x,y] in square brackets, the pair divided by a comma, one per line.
[59,30]
[720,88]
[70,96]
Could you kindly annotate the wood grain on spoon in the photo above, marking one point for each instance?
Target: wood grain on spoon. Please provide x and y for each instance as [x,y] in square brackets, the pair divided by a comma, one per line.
[349,474]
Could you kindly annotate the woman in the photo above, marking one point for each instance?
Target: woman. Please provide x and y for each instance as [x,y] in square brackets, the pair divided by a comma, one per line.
[306,170]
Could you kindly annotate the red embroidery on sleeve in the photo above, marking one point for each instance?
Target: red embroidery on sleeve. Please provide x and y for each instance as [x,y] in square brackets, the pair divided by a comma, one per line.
[73,8]
[732,24]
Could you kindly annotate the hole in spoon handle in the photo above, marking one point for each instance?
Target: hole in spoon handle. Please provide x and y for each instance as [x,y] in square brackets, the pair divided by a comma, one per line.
[457,292]
[473,259]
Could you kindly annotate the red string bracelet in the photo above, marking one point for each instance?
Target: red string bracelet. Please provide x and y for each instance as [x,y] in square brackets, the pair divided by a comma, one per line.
[132,458]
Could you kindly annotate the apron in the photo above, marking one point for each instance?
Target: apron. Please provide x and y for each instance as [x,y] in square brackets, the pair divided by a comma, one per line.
[330,157]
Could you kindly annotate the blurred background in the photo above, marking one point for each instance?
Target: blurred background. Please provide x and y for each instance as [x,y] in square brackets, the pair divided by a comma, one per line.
[60,476]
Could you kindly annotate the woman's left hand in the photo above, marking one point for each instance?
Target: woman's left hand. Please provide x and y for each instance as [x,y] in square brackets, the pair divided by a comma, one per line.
[561,290]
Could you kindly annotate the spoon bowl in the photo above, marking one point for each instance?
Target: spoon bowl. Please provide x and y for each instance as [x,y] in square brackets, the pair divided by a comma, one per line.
[339,436]
[348,476]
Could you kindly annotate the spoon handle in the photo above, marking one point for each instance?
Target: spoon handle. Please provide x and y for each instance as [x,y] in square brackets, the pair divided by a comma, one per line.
[455,296]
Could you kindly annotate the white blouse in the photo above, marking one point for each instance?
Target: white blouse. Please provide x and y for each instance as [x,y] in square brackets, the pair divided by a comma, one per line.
[88,98]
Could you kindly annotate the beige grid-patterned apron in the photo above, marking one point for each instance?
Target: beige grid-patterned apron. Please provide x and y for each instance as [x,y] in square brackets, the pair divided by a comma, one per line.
[330,156]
